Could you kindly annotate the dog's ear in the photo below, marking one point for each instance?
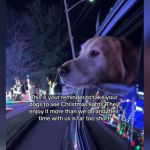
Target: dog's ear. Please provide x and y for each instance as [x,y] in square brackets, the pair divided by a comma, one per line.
[130,57]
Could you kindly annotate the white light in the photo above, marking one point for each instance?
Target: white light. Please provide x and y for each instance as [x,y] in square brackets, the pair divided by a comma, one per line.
[141,93]
[75,146]
[128,100]
[91,0]
[139,108]
[135,103]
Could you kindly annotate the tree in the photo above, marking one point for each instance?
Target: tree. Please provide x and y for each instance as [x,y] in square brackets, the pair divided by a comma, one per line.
[36,40]
[16,44]
[48,38]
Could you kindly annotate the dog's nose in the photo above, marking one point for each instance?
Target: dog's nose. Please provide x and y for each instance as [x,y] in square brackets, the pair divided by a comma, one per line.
[63,70]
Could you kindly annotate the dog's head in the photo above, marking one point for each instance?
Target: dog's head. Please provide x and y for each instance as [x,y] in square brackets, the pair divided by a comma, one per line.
[101,60]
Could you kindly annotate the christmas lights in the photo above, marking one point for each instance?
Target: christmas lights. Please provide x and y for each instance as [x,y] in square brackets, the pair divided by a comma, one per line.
[51,86]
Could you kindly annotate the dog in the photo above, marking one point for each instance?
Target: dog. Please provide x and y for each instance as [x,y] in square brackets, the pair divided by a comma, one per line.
[102,60]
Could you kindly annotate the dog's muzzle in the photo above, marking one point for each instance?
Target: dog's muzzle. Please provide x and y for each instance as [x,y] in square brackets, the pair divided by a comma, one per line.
[63,70]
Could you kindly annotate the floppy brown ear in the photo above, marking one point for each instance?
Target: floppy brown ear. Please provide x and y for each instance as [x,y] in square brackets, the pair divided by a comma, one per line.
[130,57]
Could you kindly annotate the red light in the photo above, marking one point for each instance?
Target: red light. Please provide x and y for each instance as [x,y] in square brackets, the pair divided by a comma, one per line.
[123,135]
[117,130]
[133,143]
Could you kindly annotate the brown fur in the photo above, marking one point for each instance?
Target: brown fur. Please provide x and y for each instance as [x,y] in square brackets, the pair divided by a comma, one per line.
[101,60]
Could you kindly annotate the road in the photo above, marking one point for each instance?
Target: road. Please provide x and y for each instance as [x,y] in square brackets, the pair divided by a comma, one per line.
[17,108]
[44,136]
[50,135]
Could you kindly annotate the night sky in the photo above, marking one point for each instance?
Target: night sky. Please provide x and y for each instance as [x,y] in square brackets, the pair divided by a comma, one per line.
[82,17]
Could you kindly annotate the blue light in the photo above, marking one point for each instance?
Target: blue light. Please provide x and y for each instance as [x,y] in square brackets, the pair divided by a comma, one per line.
[27,76]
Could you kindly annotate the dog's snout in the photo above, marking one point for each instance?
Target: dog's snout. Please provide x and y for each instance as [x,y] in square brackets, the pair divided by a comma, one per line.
[63,70]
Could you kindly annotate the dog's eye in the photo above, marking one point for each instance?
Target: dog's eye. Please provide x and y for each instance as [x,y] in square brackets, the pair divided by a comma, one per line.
[94,53]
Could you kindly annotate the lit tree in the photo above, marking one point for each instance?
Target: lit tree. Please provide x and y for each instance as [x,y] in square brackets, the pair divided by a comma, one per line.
[36,43]
[17,42]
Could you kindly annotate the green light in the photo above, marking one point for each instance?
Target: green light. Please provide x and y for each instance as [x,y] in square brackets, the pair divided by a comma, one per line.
[91,0]
[137,147]
[120,132]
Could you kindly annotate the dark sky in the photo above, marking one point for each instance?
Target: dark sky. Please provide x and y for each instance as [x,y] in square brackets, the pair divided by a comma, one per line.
[82,17]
